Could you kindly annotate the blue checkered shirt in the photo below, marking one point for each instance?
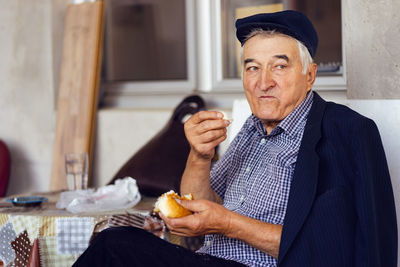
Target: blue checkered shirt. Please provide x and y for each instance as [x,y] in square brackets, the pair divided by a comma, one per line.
[253,178]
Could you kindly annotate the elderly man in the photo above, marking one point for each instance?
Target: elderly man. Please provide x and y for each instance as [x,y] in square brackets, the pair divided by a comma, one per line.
[304,183]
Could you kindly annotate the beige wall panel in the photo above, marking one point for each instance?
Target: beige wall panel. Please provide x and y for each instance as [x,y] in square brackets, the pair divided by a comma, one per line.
[372,36]
[78,91]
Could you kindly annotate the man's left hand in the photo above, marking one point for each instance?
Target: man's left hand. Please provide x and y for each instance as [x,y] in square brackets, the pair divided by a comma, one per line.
[207,218]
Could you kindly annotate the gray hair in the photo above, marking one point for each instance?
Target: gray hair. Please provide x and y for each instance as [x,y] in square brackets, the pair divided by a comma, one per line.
[305,56]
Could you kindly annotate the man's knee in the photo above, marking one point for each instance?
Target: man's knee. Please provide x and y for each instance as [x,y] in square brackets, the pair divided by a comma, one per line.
[126,237]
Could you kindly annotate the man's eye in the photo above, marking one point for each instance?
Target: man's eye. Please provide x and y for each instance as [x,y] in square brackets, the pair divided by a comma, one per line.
[252,68]
[281,67]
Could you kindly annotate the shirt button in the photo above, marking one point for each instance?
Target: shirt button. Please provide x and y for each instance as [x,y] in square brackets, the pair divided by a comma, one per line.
[248,169]
[208,243]
[262,141]
[241,199]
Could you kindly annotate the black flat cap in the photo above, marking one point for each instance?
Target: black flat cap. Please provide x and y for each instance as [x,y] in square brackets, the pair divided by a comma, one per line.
[289,22]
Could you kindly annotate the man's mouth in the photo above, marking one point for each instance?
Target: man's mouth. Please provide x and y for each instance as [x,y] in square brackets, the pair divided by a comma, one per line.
[266,97]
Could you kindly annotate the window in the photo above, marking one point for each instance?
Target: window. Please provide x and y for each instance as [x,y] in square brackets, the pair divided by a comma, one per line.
[326,17]
[145,41]
[176,47]
[148,49]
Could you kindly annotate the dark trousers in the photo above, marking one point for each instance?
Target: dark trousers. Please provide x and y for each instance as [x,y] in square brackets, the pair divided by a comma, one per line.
[130,246]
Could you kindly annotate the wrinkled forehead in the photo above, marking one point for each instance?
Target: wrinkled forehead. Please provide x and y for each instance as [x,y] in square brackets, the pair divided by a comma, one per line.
[271,44]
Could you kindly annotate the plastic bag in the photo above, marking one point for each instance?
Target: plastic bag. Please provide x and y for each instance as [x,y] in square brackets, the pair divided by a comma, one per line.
[124,194]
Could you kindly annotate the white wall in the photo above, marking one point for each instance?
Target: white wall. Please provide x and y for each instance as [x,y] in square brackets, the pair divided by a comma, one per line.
[372,35]
[26,92]
[119,134]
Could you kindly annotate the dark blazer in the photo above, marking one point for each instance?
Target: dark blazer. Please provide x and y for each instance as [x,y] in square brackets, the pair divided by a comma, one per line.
[341,210]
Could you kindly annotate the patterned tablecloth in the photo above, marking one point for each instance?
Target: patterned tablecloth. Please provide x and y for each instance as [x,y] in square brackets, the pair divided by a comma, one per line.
[54,236]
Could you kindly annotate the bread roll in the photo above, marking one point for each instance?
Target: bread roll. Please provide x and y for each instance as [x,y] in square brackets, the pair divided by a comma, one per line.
[225,117]
[168,204]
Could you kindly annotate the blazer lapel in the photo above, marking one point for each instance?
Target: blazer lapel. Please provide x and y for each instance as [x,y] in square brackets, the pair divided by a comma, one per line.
[304,183]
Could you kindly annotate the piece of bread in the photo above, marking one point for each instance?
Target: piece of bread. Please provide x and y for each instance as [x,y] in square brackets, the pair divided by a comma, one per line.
[225,117]
[168,204]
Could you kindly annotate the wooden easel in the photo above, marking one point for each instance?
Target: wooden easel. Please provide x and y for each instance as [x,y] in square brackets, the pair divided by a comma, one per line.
[79,85]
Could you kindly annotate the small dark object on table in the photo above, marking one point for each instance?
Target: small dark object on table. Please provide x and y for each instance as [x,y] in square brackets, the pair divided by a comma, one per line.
[27,201]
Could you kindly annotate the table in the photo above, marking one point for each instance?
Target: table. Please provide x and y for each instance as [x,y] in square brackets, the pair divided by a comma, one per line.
[55,236]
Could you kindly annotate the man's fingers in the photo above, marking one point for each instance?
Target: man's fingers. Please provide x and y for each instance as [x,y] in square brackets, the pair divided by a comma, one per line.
[194,205]
[206,126]
[177,224]
[204,131]
[204,220]
[191,205]
[206,115]
[212,135]
[173,221]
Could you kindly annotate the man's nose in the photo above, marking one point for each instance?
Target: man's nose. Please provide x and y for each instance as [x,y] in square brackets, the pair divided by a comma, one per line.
[267,80]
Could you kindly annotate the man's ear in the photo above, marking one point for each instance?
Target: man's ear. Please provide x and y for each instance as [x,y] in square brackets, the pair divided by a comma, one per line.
[311,75]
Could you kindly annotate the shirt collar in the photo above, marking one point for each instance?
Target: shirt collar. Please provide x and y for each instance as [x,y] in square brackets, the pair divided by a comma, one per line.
[292,123]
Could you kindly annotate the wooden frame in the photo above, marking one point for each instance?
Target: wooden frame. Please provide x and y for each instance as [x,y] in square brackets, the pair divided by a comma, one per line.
[79,84]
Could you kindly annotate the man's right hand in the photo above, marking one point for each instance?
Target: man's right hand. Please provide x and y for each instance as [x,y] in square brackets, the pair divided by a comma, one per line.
[204,131]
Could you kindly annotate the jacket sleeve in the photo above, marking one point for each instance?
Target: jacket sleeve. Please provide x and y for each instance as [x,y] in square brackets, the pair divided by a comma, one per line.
[376,238]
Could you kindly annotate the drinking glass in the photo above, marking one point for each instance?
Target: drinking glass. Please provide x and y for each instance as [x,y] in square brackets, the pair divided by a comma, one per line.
[76,167]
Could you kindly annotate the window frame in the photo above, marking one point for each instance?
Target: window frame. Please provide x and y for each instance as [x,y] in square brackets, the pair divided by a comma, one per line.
[219,84]
[121,94]
[204,62]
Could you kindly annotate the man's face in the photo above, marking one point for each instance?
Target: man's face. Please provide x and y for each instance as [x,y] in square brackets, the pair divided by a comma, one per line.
[272,77]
